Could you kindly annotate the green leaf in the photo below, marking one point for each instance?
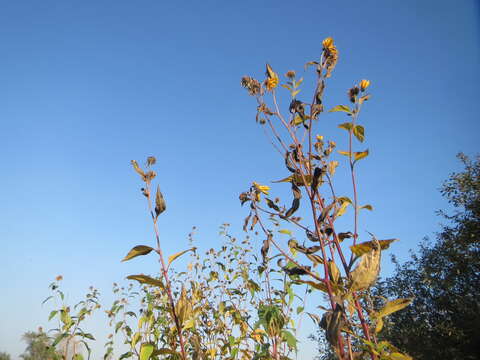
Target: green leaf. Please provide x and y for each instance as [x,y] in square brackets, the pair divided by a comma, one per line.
[300,309]
[347,126]
[359,132]
[126,355]
[146,351]
[360,155]
[52,315]
[87,335]
[144,279]
[172,258]
[59,338]
[78,357]
[118,326]
[137,251]
[343,108]
[285,231]
[290,339]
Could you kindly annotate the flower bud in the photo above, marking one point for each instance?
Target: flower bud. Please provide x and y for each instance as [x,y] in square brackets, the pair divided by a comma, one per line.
[364,84]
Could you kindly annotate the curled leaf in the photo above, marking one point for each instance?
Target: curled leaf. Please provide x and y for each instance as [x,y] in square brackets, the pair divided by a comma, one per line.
[160,205]
[359,132]
[297,195]
[366,272]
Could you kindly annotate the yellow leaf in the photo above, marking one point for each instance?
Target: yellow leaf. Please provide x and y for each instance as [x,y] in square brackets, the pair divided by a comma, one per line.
[345,153]
[393,306]
[295,93]
[359,132]
[342,209]
[360,155]
[146,351]
[343,108]
[297,179]
[298,120]
[144,279]
[285,231]
[366,272]
[367,246]
[172,258]
[347,126]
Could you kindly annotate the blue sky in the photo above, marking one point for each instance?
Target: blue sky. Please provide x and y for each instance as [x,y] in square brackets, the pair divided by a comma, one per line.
[87,86]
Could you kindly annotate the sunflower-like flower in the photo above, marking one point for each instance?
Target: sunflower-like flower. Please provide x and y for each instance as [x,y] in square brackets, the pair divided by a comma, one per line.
[364,84]
[260,189]
[272,79]
[331,55]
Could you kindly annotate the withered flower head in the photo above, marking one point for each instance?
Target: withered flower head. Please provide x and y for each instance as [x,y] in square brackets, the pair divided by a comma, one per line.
[151,161]
[290,74]
[59,278]
[352,93]
[244,198]
[253,86]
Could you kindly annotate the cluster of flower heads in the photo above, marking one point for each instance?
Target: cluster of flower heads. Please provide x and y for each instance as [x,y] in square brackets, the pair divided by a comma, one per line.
[354,91]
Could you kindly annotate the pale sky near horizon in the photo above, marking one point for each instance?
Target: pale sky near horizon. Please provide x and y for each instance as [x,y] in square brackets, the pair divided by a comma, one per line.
[87,86]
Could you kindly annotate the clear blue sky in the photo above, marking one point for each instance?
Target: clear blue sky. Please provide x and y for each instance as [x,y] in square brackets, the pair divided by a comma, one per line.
[86,86]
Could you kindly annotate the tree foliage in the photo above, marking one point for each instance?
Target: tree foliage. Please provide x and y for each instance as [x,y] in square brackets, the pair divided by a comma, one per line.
[5,356]
[39,346]
[444,279]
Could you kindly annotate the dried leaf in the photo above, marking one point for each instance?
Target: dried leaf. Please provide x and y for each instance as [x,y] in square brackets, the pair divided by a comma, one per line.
[137,168]
[367,246]
[366,272]
[359,132]
[160,205]
[173,257]
[297,195]
[265,248]
[137,251]
[144,279]
[360,155]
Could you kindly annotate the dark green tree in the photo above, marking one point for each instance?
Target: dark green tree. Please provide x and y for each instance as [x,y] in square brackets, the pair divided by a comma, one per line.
[39,347]
[4,356]
[443,322]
